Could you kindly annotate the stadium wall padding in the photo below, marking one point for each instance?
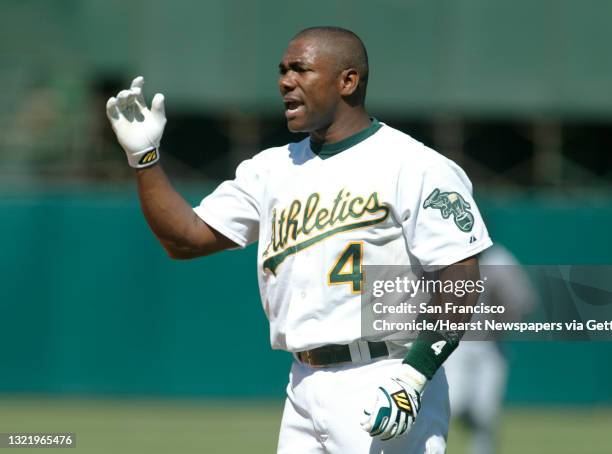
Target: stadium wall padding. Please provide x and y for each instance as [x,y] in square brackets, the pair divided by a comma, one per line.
[91,304]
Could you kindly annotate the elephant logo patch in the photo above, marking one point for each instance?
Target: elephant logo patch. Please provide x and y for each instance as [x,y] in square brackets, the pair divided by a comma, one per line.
[451,203]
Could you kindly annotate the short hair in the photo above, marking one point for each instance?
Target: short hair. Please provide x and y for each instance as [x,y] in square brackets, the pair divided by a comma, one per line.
[349,50]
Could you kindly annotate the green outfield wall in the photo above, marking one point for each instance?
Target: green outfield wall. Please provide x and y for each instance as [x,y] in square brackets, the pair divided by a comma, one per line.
[90,304]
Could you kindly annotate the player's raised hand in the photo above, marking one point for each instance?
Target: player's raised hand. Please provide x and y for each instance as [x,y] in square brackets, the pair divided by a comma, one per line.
[139,129]
[395,404]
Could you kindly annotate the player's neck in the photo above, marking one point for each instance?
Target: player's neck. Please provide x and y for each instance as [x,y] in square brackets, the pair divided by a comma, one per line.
[348,124]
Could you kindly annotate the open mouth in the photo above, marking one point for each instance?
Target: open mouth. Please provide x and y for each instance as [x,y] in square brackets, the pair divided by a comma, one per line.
[292,108]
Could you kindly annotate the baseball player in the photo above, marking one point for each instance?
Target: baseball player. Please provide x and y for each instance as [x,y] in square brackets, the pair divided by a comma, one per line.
[352,193]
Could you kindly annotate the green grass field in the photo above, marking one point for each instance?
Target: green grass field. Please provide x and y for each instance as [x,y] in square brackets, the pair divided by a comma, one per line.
[152,427]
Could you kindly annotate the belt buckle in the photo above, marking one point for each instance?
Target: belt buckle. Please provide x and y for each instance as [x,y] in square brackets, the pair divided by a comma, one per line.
[310,359]
[306,358]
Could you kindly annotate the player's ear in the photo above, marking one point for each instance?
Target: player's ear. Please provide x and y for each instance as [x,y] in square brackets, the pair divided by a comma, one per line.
[349,81]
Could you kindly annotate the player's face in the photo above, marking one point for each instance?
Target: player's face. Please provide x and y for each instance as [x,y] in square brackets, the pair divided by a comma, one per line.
[309,84]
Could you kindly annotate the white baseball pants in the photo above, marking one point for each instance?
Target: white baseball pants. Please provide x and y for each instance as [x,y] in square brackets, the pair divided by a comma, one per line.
[324,407]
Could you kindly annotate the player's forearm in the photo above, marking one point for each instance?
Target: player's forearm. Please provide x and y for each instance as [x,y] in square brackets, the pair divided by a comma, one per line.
[182,233]
[169,216]
[431,348]
[461,272]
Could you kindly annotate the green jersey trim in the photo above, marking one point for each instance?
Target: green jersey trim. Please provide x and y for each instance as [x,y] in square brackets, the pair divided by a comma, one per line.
[327,150]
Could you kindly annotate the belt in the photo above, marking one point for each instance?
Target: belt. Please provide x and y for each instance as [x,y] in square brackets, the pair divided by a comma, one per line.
[333,354]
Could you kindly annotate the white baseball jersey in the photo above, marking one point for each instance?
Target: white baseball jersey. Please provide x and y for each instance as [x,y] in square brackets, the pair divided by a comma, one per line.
[376,198]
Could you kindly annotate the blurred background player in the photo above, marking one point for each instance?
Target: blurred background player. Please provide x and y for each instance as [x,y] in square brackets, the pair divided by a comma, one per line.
[478,370]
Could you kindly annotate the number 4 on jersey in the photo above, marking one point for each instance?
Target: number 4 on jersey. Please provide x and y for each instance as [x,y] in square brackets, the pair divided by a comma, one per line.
[347,269]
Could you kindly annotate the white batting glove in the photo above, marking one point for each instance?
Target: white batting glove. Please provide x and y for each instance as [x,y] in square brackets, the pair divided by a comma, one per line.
[138,129]
[395,404]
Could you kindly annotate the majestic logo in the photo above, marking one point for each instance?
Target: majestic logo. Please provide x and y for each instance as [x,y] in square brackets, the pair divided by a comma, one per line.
[401,400]
[451,203]
[301,225]
[148,157]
